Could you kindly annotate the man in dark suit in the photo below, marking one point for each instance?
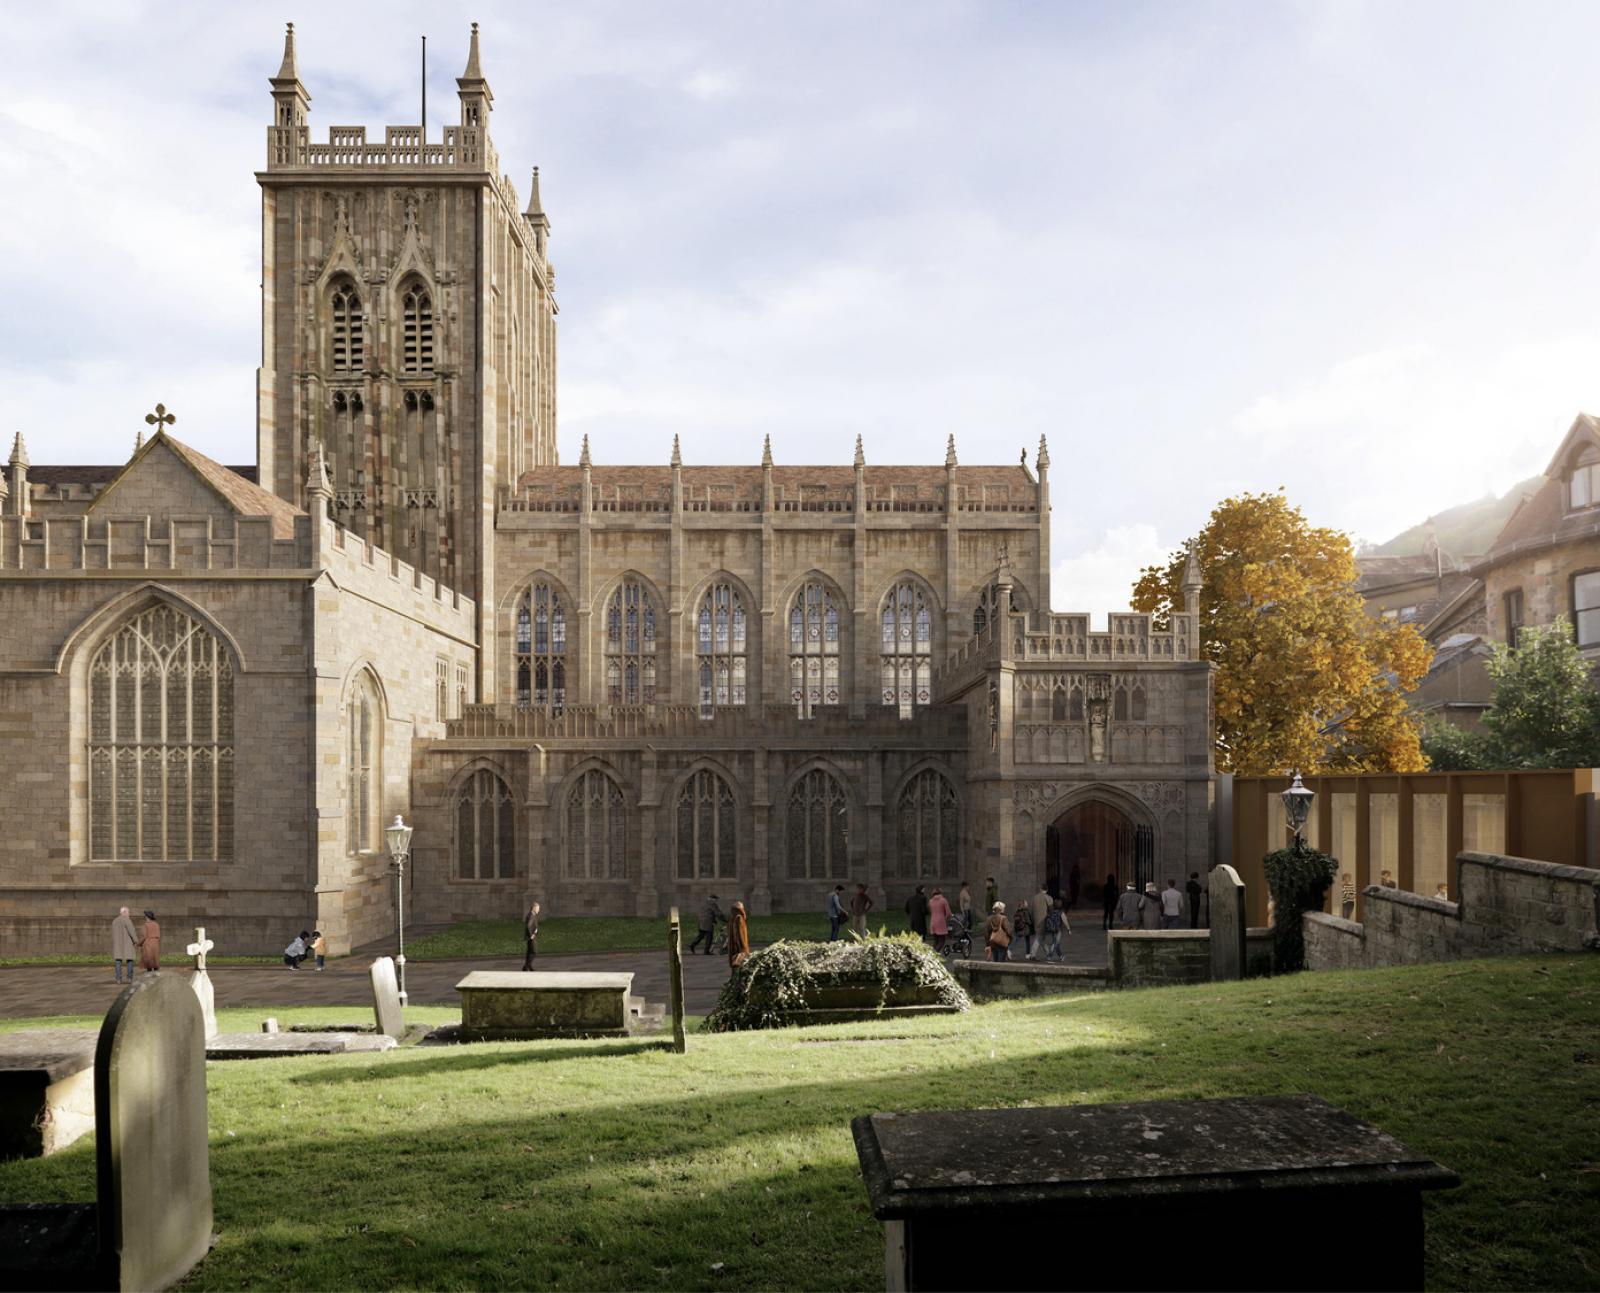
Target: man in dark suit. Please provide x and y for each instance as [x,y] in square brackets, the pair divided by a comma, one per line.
[530,927]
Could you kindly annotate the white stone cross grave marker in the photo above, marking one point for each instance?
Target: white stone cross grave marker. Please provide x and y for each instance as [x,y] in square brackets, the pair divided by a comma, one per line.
[200,981]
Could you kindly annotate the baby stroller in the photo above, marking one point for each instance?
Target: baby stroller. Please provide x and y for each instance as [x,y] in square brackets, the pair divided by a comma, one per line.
[958,942]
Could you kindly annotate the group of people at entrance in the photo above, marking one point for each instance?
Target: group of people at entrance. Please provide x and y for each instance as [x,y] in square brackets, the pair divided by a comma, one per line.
[1152,910]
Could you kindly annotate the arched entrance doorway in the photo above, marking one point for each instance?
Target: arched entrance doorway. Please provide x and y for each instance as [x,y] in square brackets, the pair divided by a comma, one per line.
[1093,840]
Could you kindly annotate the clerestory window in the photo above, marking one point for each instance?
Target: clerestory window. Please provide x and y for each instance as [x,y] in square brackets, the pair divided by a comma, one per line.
[720,649]
[630,646]
[813,648]
[907,648]
[541,649]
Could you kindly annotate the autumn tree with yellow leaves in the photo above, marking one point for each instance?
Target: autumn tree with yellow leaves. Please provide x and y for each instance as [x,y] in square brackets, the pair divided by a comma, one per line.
[1305,677]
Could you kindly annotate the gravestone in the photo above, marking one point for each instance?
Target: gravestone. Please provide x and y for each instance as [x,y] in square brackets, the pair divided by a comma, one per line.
[46,1090]
[151,1221]
[675,981]
[386,999]
[1227,924]
[200,981]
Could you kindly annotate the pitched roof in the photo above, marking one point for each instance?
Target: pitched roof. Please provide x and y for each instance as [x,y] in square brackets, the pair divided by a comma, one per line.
[240,494]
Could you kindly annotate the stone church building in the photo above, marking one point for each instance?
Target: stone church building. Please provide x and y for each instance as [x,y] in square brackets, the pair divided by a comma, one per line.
[613,688]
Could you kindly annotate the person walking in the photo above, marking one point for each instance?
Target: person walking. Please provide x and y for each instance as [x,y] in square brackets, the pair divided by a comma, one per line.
[1022,926]
[1171,905]
[1195,890]
[860,905]
[1108,901]
[997,932]
[836,915]
[150,944]
[319,949]
[964,905]
[939,919]
[991,894]
[1347,895]
[296,951]
[710,914]
[917,912]
[1126,915]
[1074,888]
[123,943]
[1150,907]
[530,937]
[1040,908]
[1055,924]
[738,937]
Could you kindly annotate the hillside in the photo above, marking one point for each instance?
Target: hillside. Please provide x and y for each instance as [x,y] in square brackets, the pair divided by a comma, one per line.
[1466,530]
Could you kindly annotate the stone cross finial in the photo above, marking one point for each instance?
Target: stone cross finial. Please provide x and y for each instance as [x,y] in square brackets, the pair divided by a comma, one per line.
[200,947]
[160,419]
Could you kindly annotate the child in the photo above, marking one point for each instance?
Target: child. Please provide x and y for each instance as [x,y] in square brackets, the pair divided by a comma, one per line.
[319,948]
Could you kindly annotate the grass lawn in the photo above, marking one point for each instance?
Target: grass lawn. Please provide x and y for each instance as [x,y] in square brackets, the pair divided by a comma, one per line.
[620,1165]
[500,938]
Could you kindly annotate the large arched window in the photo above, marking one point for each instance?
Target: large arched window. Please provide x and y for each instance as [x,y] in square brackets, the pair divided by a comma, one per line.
[707,831]
[927,827]
[813,648]
[818,827]
[907,659]
[416,330]
[720,648]
[631,645]
[363,809]
[349,348]
[485,829]
[596,831]
[541,649]
[161,743]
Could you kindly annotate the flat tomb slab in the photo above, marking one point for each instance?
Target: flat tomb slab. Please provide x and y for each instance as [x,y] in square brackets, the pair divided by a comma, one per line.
[46,1089]
[511,1004]
[1143,1168]
[251,1046]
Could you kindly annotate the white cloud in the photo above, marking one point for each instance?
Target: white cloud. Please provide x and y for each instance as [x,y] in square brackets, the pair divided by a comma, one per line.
[1099,579]
[707,84]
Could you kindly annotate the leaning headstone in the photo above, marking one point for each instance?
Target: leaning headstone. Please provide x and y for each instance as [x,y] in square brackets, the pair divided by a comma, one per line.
[200,981]
[675,981]
[1227,924]
[386,999]
[153,1159]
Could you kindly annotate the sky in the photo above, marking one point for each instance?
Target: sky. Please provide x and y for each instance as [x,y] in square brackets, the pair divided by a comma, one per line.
[1347,249]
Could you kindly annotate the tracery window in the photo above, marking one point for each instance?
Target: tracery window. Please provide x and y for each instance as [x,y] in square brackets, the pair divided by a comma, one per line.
[818,827]
[813,648]
[907,659]
[416,333]
[720,648]
[485,829]
[988,608]
[541,649]
[631,645]
[596,829]
[349,348]
[927,831]
[707,834]
[161,743]
[364,744]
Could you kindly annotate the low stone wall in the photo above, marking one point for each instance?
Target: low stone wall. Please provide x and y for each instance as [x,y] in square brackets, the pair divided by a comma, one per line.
[1508,905]
[1151,958]
[988,981]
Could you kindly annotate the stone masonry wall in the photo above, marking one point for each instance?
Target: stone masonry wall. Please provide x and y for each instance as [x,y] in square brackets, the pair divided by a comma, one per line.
[1508,905]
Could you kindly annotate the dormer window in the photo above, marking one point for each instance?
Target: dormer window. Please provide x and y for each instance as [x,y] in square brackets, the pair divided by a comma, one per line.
[1583,482]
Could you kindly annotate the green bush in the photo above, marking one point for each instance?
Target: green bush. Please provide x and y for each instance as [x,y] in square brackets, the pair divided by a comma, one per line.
[1298,879]
[774,982]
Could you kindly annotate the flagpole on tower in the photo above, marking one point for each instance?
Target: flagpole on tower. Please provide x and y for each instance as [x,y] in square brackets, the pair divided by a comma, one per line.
[424,89]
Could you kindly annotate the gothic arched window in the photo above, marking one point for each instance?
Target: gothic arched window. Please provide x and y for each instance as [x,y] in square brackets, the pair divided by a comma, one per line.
[541,649]
[349,348]
[720,648]
[818,827]
[416,330]
[813,648]
[707,834]
[630,645]
[486,834]
[907,652]
[596,829]
[161,743]
[363,809]
[926,827]
[987,611]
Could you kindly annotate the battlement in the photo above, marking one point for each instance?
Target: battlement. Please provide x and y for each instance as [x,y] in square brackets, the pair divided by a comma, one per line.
[89,543]
[360,566]
[767,726]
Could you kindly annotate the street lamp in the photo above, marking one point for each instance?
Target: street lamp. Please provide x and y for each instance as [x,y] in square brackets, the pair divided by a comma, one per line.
[1297,807]
[398,836]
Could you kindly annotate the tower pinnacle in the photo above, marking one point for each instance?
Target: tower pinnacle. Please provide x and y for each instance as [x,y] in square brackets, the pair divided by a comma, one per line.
[766,450]
[1044,454]
[861,453]
[677,454]
[950,451]
[476,97]
[288,71]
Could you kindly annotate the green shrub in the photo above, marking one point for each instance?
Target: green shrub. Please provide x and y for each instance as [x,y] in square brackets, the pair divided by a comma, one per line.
[774,982]
[1298,879]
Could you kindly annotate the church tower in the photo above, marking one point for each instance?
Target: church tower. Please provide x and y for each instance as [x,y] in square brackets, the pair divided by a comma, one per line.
[407,327]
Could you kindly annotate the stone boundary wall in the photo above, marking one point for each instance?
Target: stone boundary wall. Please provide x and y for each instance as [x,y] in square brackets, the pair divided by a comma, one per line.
[1508,905]
[1153,958]
[988,981]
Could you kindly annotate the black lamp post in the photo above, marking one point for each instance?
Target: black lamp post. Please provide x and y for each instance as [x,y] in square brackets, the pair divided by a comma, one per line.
[398,836]
[1297,807]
